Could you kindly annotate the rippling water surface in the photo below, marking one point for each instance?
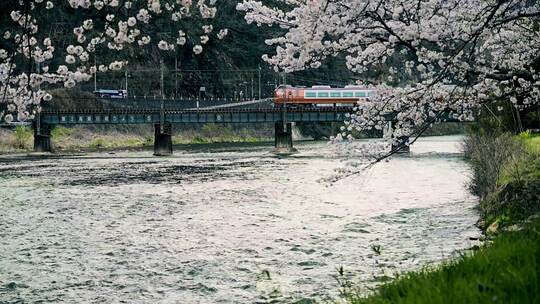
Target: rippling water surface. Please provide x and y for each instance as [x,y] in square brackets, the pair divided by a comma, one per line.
[224,224]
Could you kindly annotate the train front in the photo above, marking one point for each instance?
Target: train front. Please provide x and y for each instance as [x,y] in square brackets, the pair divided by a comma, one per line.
[282,91]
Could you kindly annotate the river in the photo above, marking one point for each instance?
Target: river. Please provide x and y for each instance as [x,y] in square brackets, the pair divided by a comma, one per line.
[224,223]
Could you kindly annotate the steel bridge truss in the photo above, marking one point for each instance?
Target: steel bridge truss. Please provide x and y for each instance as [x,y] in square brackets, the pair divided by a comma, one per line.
[255,115]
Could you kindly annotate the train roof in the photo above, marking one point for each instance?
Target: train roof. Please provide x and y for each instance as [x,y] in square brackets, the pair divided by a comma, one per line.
[109,91]
[326,88]
[329,88]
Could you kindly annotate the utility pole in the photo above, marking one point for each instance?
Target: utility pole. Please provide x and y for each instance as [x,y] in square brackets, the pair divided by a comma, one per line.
[126,74]
[259,82]
[284,107]
[38,118]
[162,108]
[162,89]
[175,76]
[95,74]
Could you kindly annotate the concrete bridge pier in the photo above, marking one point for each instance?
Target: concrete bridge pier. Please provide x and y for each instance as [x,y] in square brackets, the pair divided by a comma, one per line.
[283,138]
[400,146]
[387,130]
[163,139]
[42,137]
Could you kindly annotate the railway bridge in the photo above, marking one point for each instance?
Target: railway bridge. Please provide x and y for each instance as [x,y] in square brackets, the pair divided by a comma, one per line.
[164,114]
[163,119]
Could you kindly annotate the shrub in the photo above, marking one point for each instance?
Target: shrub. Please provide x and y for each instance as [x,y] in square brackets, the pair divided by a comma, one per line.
[23,136]
[506,174]
[98,143]
[222,132]
[514,202]
[60,131]
[488,156]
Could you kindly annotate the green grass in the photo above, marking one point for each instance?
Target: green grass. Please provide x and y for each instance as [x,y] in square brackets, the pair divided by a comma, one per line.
[524,165]
[81,137]
[23,137]
[531,142]
[198,139]
[518,194]
[506,271]
[61,132]
[108,142]
[99,143]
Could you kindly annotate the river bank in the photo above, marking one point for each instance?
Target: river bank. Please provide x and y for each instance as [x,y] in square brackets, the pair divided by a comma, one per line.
[127,137]
[506,268]
[95,138]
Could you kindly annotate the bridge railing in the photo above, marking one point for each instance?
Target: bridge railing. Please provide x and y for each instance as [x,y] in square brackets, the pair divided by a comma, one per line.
[191,110]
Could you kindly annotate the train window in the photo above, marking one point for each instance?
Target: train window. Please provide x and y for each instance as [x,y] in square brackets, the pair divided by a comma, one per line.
[360,94]
[311,94]
[347,94]
[322,94]
[335,94]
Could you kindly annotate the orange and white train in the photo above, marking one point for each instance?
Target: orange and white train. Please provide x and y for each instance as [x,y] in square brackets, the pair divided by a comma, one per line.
[321,95]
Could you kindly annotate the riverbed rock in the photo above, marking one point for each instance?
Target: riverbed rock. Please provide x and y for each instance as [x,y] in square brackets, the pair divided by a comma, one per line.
[493,228]
[480,224]
[514,227]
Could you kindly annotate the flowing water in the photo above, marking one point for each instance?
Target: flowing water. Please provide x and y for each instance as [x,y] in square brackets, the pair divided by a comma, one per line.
[224,223]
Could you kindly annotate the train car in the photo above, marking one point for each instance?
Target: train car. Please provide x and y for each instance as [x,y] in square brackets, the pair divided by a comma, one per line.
[321,95]
[112,94]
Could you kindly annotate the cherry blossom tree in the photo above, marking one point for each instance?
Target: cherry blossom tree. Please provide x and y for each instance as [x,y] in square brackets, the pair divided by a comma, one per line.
[31,61]
[433,56]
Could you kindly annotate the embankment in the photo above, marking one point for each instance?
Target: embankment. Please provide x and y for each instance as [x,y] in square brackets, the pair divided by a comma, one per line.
[506,269]
[128,136]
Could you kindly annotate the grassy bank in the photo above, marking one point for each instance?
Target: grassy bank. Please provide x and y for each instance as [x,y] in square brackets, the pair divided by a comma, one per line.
[506,271]
[514,193]
[17,140]
[507,268]
[96,137]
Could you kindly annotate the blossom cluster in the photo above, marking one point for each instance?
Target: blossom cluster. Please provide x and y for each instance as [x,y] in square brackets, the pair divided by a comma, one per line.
[432,57]
[29,64]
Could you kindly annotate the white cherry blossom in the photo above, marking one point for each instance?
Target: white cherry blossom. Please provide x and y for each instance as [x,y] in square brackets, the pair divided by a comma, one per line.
[424,58]
[27,37]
